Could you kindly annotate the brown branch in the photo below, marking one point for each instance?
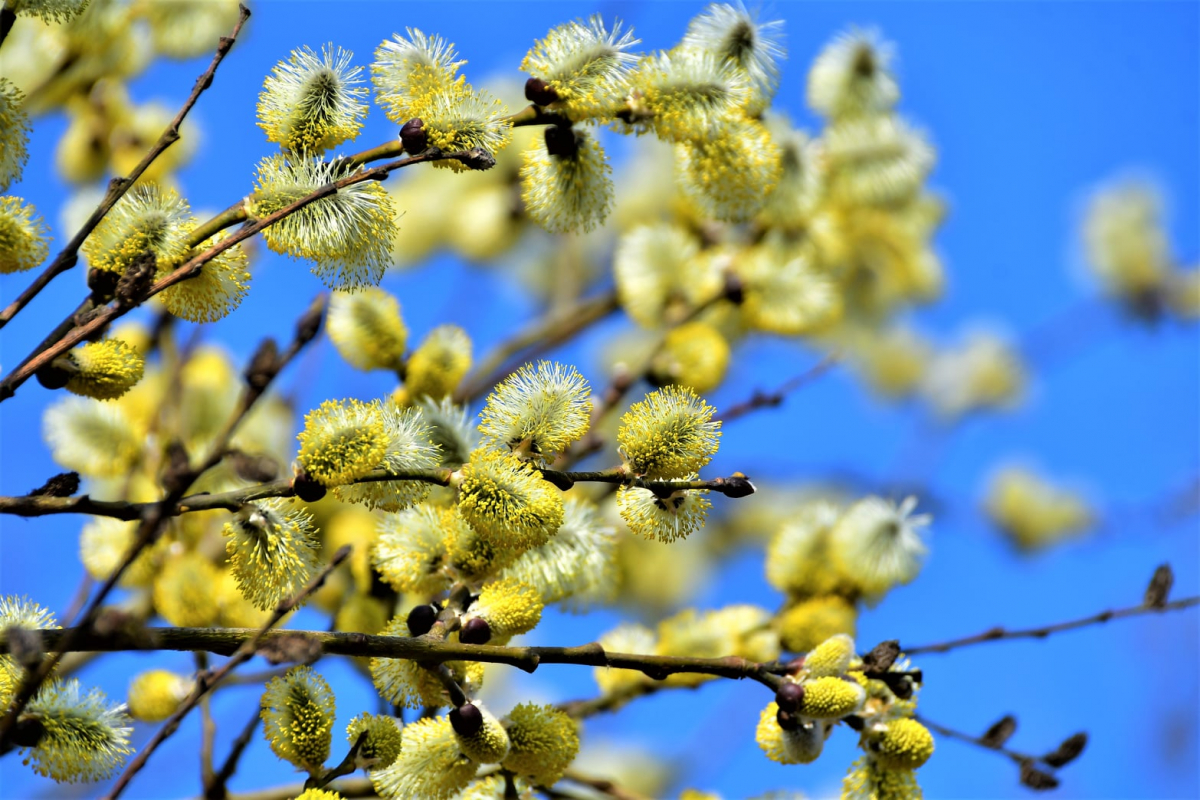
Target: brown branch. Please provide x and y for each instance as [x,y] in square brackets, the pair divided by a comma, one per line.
[1036,772]
[351,787]
[346,767]
[603,786]
[1000,633]
[215,790]
[476,158]
[760,399]
[117,187]
[536,338]
[211,678]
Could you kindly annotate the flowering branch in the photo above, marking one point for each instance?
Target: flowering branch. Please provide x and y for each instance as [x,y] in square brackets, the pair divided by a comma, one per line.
[206,681]
[117,187]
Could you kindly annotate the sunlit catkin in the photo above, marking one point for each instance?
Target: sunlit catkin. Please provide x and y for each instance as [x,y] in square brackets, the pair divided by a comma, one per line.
[342,441]
[409,71]
[311,103]
[215,291]
[565,181]
[272,550]
[537,411]
[669,434]
[149,218]
[439,363]
[85,739]
[544,742]
[14,134]
[18,612]
[508,502]
[298,716]
[24,238]
[104,370]
[431,764]
[731,33]
[367,329]
[407,449]
[585,67]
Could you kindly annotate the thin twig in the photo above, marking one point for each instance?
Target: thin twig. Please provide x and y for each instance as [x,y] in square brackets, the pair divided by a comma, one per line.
[760,399]
[208,680]
[117,187]
[978,741]
[347,766]
[216,789]
[208,728]
[1000,633]
[602,785]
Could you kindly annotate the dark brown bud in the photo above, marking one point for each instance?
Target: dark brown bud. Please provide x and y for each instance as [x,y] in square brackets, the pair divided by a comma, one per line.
[854,722]
[540,92]
[1068,751]
[52,376]
[309,325]
[263,366]
[466,720]
[63,484]
[1000,732]
[1035,778]
[787,720]
[414,137]
[307,489]
[735,289]
[135,283]
[789,696]
[27,732]
[737,485]
[254,468]
[476,630]
[561,142]
[421,619]
[103,283]
[1160,587]
[881,658]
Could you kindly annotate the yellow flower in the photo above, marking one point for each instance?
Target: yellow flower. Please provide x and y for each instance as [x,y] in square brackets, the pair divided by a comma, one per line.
[462,119]
[93,438]
[868,781]
[311,104]
[667,519]
[342,441]
[537,412]
[694,354]
[1126,239]
[508,502]
[49,11]
[877,544]
[383,741]
[830,658]
[402,682]
[852,76]
[584,66]
[367,329]
[508,606]
[732,34]
[730,173]
[487,745]
[216,291]
[902,744]
[24,238]
[18,612]
[669,434]
[657,270]
[430,765]
[409,73]
[687,92]
[438,365]
[410,552]
[875,161]
[785,293]
[85,739]
[298,714]
[801,744]
[408,450]
[1032,512]
[831,698]
[544,742]
[14,134]
[565,181]
[812,621]
[272,549]
[104,370]
[155,694]
[149,218]
[183,591]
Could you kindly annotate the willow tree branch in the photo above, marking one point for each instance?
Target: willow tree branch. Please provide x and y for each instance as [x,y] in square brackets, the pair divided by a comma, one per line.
[1000,633]
[978,741]
[40,506]
[216,789]
[536,338]
[475,158]
[760,399]
[117,187]
[211,678]
[240,642]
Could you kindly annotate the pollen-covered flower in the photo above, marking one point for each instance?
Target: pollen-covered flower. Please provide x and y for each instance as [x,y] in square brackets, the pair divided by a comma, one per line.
[48,11]
[577,565]
[156,693]
[464,119]
[103,545]
[85,739]
[544,742]
[104,370]
[731,33]
[438,365]
[298,715]
[565,181]
[508,501]
[831,697]
[347,235]
[899,744]
[656,269]
[669,434]
[584,65]
[893,359]
[431,765]
[878,544]
[183,591]
[409,552]
[367,329]
[272,549]
[875,161]
[508,606]
[984,371]
[628,637]
[451,429]
[786,294]
[24,238]
[687,92]
[342,441]
[93,438]
[149,218]
[472,556]
[403,682]
[1125,239]
[382,743]
[801,743]
[868,780]
[409,73]
[18,612]
[797,195]
[537,411]
[487,744]
[408,449]
[730,173]
[1032,512]
[309,103]
[830,658]
[694,354]
[318,794]
[810,622]
[667,519]
[14,134]
[215,291]
[852,77]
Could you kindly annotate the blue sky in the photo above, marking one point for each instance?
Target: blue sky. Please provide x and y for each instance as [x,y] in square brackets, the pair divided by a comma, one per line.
[1030,106]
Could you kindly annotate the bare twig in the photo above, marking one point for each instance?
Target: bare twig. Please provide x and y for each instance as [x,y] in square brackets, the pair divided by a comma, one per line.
[215,790]
[211,678]
[760,399]
[1000,633]
[117,187]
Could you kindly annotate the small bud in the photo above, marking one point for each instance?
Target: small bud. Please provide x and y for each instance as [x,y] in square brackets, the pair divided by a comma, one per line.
[735,289]
[540,92]
[881,658]
[103,283]
[263,366]
[737,486]
[421,618]
[466,720]
[1000,732]
[1160,586]
[1068,751]
[414,136]
[561,142]
[135,282]
[787,720]
[789,697]
[254,468]
[475,631]
[854,722]
[309,325]
[52,376]
[64,484]
[1036,779]
[307,489]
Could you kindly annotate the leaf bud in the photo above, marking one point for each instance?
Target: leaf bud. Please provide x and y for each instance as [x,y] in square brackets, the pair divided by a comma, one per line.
[421,619]
[540,92]
[475,631]
[307,489]
[414,136]
[560,141]
[466,720]
[789,697]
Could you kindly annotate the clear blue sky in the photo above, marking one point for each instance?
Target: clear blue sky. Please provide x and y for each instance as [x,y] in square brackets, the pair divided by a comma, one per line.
[1029,105]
